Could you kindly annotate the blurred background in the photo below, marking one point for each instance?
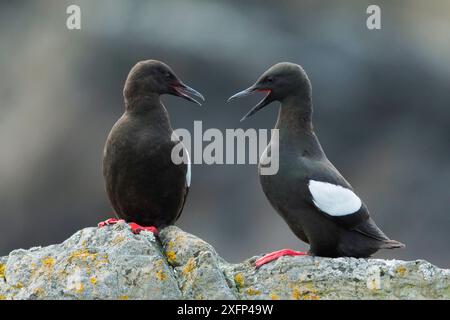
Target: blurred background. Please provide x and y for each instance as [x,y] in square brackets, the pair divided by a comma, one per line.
[381,101]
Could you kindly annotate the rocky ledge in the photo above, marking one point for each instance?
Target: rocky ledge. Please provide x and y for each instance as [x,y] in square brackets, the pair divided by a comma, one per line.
[114,263]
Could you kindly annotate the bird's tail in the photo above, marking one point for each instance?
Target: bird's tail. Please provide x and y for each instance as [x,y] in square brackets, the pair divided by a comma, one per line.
[392,244]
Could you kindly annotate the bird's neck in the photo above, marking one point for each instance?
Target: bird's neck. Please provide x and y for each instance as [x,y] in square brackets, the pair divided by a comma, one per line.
[148,108]
[296,132]
[295,114]
[142,104]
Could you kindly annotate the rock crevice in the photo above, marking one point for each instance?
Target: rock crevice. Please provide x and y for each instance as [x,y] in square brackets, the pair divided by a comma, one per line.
[113,263]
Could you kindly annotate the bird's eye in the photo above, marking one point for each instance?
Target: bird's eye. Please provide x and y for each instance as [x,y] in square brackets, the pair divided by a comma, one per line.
[169,75]
[269,79]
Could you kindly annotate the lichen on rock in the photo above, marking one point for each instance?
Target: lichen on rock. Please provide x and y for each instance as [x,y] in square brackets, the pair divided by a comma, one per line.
[114,263]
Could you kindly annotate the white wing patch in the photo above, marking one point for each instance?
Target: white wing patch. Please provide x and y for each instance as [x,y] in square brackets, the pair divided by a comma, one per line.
[188,173]
[333,199]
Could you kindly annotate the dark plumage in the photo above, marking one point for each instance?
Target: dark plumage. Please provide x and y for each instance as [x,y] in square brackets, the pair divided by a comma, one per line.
[317,203]
[142,182]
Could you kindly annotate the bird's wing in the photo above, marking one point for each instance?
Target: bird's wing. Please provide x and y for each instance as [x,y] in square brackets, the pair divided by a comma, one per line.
[188,181]
[184,202]
[340,204]
[333,199]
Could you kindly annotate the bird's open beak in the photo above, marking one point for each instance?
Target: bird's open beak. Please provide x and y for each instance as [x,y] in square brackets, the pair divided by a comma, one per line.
[264,102]
[183,90]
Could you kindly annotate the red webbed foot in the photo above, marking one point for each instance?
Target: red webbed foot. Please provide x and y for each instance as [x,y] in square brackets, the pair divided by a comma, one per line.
[136,229]
[276,254]
[109,222]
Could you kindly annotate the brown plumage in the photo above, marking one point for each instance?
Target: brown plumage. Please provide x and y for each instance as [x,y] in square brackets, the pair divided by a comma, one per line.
[142,182]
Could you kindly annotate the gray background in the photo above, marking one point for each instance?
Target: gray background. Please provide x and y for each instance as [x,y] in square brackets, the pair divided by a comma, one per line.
[381,111]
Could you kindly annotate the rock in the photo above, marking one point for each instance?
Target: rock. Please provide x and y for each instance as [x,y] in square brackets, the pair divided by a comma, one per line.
[113,263]
[107,263]
[197,265]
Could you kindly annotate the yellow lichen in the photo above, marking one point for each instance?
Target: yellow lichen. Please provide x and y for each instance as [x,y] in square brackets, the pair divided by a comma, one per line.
[305,293]
[253,292]
[296,295]
[311,296]
[38,292]
[79,287]
[239,280]
[2,270]
[401,271]
[171,257]
[161,275]
[274,296]
[93,280]
[18,285]
[123,298]
[82,254]
[190,265]
[48,262]
[170,253]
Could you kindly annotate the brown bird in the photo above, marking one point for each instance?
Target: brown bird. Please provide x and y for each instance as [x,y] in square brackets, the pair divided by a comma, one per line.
[145,187]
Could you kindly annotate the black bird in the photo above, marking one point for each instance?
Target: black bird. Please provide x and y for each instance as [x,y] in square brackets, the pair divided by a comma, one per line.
[309,193]
[145,187]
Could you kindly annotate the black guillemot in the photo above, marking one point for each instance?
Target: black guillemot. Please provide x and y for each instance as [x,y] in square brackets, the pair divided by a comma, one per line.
[309,193]
[145,187]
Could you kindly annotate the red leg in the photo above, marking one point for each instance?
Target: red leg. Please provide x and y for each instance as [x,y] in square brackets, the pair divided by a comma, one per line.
[109,222]
[276,254]
[137,228]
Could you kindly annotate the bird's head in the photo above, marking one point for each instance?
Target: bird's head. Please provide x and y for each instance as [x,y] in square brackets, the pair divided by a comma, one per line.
[280,81]
[155,77]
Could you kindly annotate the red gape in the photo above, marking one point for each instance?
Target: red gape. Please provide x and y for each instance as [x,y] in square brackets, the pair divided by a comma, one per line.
[135,228]
[276,254]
